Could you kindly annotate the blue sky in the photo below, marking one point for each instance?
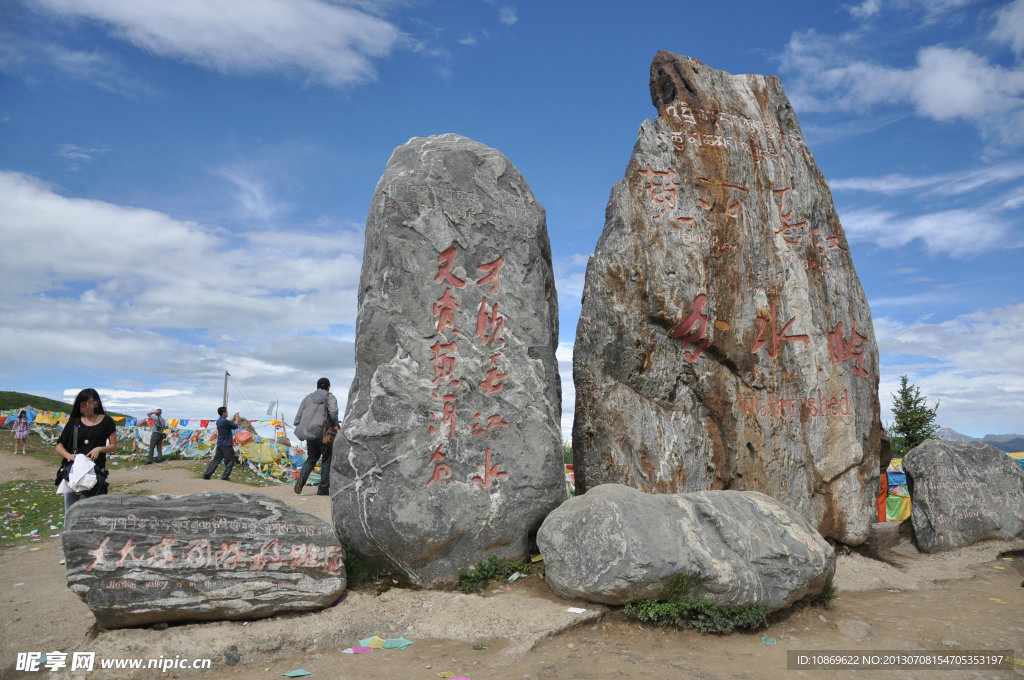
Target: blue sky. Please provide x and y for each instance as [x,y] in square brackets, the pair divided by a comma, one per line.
[184,186]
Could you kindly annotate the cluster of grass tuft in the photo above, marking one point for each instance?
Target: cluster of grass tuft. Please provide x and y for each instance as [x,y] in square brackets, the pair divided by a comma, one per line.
[827,594]
[32,511]
[358,573]
[477,576]
[679,606]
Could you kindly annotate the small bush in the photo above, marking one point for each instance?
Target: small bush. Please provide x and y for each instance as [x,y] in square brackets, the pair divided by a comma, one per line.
[359,573]
[827,594]
[477,576]
[679,606]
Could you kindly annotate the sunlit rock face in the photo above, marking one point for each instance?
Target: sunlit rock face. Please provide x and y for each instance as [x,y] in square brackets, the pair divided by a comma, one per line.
[450,450]
[725,341]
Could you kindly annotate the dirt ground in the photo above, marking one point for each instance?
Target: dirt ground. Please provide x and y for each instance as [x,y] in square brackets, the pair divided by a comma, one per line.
[891,597]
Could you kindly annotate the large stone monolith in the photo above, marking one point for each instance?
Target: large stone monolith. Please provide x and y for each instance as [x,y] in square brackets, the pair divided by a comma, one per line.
[450,450]
[725,340]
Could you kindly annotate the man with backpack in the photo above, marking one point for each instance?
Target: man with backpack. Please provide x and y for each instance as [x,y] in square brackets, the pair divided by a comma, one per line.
[317,414]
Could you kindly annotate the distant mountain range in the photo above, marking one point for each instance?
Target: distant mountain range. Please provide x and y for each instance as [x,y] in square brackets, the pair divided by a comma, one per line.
[1011,443]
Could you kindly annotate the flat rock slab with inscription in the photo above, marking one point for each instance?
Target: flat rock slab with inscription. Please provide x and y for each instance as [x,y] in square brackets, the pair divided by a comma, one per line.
[963,493]
[616,545]
[136,560]
[725,341]
[450,449]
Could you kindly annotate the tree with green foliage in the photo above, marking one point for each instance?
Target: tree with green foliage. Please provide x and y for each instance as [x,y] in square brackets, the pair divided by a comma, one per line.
[915,422]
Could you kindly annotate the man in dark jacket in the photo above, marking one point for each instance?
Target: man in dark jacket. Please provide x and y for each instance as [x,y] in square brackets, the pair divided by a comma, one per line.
[156,439]
[225,444]
[309,426]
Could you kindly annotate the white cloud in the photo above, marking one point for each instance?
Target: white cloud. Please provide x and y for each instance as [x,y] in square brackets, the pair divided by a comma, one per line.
[570,272]
[1009,27]
[131,292]
[324,41]
[944,185]
[508,15]
[251,195]
[23,58]
[827,74]
[972,364]
[866,9]
[960,233]
[75,155]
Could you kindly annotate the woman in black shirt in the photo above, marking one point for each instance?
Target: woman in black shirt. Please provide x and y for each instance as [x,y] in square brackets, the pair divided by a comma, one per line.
[89,431]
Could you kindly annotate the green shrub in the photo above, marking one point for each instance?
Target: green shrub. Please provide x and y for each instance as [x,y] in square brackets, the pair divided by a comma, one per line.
[358,573]
[679,606]
[477,576]
[827,594]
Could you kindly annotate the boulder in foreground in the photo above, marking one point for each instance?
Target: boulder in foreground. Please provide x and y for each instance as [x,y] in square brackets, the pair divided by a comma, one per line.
[616,545]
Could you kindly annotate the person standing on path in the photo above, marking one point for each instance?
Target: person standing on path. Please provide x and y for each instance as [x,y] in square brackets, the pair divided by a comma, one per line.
[21,430]
[318,408]
[91,432]
[156,440]
[225,445]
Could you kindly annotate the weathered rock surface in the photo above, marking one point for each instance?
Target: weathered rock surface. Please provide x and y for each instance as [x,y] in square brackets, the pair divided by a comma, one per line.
[963,493]
[450,448]
[136,560]
[725,341]
[616,544]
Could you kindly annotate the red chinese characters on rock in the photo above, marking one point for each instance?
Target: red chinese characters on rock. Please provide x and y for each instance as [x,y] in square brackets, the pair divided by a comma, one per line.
[693,331]
[170,553]
[789,226]
[444,357]
[493,276]
[775,337]
[490,383]
[793,233]
[841,349]
[489,326]
[442,470]
[488,472]
[662,186]
[494,420]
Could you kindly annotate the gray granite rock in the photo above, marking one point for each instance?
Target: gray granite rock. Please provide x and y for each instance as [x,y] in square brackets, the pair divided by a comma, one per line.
[725,341]
[962,493]
[450,449]
[616,544]
[136,560]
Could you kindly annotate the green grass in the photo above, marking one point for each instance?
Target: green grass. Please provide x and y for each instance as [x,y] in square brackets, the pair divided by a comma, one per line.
[32,511]
[825,597]
[680,606]
[359,573]
[477,576]
[17,400]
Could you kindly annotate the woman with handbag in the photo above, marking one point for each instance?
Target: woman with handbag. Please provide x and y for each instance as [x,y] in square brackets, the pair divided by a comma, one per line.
[92,433]
[316,422]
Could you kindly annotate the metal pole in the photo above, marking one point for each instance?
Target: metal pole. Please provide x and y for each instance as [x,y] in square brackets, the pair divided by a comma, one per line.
[226,374]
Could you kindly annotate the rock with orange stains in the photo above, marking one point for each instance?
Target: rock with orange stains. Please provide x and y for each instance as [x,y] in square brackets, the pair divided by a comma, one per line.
[725,341]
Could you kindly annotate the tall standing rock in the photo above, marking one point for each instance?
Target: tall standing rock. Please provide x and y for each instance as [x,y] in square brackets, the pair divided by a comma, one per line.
[450,450]
[725,340]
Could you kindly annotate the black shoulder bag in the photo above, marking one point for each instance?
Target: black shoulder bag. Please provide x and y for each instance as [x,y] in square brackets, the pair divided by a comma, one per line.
[98,489]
